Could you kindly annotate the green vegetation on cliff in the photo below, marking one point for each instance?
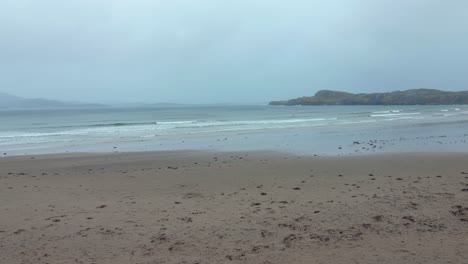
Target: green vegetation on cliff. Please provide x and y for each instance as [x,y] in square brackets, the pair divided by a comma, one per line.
[408,97]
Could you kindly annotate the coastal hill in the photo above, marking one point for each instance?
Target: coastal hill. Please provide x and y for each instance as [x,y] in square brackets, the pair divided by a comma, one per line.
[408,97]
[8,101]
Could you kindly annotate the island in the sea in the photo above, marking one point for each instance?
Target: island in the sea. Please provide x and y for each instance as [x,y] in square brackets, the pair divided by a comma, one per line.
[408,97]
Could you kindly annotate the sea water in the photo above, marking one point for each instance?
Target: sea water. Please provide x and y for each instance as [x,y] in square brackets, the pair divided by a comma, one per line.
[320,130]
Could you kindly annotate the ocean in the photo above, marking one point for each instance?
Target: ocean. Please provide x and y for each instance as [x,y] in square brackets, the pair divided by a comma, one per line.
[311,130]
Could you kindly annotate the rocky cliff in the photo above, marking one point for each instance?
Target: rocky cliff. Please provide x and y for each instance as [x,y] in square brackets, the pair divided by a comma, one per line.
[408,97]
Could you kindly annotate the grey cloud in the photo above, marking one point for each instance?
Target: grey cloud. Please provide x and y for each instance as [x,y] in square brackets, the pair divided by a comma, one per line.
[228,51]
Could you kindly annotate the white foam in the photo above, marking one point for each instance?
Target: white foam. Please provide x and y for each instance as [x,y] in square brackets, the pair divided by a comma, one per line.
[399,114]
[386,112]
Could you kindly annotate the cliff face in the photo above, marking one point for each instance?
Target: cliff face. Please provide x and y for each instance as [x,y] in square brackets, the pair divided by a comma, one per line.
[408,97]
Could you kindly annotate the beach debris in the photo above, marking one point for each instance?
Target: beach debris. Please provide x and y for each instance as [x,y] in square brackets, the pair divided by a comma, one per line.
[289,239]
[177,246]
[459,210]
[378,218]
[55,218]
[191,195]
[159,238]
[409,218]
[19,231]
[186,219]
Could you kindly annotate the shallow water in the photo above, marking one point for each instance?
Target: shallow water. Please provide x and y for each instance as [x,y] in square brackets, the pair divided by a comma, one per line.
[318,130]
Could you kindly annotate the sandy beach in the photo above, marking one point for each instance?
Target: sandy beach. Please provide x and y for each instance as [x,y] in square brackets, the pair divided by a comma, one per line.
[233,207]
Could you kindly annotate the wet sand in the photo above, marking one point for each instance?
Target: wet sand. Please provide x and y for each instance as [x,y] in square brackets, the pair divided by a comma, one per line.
[244,207]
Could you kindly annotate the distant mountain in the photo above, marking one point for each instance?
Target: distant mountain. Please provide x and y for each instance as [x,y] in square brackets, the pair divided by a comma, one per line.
[408,97]
[12,101]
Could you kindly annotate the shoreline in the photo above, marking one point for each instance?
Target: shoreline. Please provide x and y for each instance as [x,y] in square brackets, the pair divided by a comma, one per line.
[234,207]
[258,152]
[399,135]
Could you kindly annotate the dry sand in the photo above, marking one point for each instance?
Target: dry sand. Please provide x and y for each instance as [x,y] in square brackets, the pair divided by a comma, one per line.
[205,207]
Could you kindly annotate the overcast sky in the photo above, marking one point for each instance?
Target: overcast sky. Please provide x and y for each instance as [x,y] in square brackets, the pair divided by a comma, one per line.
[214,51]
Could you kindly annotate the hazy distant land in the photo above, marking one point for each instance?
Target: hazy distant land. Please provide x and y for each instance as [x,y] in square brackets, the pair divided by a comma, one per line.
[16,102]
[408,97]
